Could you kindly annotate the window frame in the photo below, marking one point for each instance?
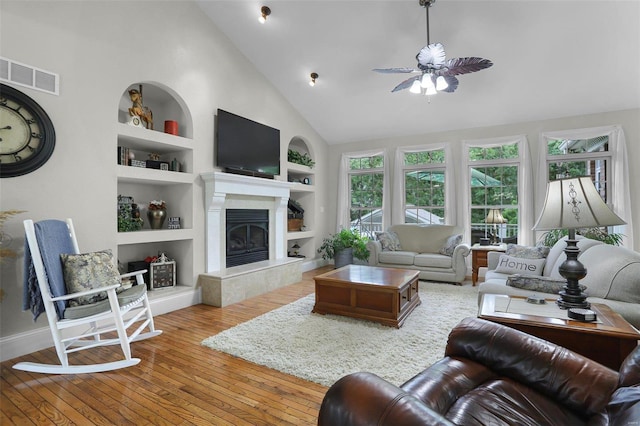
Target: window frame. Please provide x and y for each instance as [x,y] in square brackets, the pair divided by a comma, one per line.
[419,168]
[525,181]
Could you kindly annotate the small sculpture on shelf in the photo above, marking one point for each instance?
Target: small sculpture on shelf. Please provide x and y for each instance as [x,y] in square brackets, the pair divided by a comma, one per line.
[138,111]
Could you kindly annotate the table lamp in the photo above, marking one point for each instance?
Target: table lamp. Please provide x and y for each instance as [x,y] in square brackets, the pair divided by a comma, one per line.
[574,203]
[495,217]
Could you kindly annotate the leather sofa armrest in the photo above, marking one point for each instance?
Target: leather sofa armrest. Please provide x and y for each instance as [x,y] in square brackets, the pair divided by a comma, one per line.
[374,248]
[366,399]
[557,372]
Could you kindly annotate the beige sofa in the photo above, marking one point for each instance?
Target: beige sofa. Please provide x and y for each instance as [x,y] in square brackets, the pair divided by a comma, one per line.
[613,276]
[421,248]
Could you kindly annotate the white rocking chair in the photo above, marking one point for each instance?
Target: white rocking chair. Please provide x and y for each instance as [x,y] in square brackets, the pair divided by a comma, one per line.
[120,311]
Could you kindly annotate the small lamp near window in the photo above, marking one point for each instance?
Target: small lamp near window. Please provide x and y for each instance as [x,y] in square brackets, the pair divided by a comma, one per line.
[574,203]
[495,217]
[296,249]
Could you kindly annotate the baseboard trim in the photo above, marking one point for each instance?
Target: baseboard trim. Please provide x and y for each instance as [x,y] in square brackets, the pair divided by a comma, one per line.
[35,340]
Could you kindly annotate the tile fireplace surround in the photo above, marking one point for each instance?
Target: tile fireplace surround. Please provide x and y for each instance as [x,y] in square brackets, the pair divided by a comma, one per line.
[223,286]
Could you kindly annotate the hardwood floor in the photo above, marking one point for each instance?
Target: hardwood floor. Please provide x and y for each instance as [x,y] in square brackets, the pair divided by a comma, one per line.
[178,381]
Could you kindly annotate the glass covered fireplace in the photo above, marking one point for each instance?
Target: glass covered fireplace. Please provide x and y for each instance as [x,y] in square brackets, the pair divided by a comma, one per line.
[247,236]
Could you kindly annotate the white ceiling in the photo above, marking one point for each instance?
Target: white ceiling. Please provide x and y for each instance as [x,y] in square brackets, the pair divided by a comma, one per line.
[551,59]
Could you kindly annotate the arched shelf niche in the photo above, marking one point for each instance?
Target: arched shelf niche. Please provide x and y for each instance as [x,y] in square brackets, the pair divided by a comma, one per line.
[298,143]
[164,103]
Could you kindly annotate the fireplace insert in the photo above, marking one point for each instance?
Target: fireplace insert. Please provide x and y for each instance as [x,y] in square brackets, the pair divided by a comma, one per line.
[247,236]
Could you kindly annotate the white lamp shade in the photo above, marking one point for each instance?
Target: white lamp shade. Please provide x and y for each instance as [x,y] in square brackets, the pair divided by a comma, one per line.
[415,87]
[574,203]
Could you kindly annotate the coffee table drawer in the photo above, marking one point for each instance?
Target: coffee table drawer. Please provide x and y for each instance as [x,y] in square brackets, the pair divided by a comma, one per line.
[408,294]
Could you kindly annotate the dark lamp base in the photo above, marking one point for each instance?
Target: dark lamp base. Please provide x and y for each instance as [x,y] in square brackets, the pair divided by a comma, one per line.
[564,304]
[573,271]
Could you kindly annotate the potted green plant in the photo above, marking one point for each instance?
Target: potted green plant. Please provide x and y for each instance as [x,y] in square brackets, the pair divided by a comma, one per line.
[549,238]
[301,158]
[344,246]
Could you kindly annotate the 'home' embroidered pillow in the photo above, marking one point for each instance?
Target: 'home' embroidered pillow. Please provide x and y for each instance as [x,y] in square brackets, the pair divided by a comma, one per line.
[519,265]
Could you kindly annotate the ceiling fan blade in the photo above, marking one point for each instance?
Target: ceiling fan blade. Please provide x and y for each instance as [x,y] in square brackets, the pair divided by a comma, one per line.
[431,56]
[395,70]
[452,84]
[406,84]
[457,66]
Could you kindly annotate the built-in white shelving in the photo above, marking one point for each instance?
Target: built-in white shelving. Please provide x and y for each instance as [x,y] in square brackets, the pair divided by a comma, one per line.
[147,184]
[303,190]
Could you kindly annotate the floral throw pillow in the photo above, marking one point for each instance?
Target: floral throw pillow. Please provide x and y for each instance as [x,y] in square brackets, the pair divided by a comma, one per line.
[536,283]
[451,244]
[389,241]
[537,252]
[88,271]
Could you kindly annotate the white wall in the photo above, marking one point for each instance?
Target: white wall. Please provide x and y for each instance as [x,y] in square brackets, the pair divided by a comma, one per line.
[99,48]
[628,119]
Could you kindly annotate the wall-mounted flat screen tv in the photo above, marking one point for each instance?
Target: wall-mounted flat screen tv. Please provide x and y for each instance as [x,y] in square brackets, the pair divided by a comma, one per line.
[245,146]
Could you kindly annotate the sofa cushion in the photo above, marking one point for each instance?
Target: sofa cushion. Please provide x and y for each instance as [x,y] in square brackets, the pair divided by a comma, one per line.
[450,245]
[537,252]
[423,238]
[433,260]
[397,257]
[389,240]
[518,265]
[612,273]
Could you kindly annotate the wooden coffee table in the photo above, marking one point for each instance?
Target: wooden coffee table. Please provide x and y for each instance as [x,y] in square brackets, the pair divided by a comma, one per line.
[384,295]
[607,341]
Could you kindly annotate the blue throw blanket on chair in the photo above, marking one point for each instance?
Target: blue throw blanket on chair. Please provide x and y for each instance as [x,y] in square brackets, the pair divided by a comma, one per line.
[53,239]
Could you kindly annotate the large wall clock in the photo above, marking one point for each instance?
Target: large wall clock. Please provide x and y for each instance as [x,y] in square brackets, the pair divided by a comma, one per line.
[27,136]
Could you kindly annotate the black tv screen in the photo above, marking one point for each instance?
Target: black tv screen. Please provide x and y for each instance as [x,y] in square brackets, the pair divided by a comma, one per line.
[245,145]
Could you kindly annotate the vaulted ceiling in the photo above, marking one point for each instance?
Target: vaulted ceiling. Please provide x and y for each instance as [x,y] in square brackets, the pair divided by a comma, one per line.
[551,59]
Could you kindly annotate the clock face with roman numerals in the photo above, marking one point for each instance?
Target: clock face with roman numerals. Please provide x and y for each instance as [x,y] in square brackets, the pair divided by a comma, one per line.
[27,136]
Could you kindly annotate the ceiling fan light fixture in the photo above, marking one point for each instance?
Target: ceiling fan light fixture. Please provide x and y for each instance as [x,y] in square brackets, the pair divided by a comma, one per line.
[416,87]
[427,81]
[441,83]
[431,91]
[313,76]
[264,12]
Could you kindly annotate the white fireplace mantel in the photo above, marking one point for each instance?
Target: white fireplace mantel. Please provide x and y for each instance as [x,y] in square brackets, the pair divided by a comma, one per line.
[219,187]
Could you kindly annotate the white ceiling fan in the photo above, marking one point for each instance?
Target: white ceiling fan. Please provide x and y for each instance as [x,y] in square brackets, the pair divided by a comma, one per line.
[434,72]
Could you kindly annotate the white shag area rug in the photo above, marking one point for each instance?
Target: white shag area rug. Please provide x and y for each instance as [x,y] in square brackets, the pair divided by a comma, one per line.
[323,348]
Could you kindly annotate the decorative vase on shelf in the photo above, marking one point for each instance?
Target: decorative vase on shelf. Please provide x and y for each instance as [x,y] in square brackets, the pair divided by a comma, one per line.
[157,213]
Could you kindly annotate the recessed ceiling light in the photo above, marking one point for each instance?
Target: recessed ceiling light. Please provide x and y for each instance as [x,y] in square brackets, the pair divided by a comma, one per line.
[264,12]
[314,76]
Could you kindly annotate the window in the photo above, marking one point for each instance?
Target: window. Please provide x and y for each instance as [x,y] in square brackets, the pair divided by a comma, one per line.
[598,152]
[366,183]
[567,158]
[424,186]
[493,181]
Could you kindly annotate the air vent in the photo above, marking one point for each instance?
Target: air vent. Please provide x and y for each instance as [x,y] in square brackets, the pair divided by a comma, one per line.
[28,76]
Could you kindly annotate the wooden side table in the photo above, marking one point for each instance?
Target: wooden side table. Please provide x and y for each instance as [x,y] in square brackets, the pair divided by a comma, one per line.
[479,258]
[607,341]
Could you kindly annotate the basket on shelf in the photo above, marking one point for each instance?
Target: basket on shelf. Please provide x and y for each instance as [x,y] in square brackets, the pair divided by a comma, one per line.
[294,224]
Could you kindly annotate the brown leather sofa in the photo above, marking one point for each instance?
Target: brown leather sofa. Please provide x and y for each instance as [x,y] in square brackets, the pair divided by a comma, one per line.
[493,375]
